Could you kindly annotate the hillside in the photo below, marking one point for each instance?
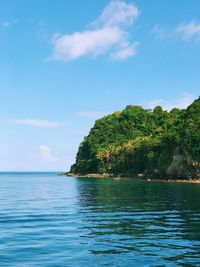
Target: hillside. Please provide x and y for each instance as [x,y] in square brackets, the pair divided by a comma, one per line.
[136,141]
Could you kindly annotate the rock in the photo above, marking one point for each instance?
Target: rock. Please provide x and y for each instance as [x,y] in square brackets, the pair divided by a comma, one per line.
[179,165]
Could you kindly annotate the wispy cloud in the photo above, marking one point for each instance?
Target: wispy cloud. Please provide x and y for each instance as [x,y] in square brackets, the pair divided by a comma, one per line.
[45,153]
[183,102]
[91,114]
[190,30]
[42,33]
[159,32]
[106,35]
[36,123]
[9,23]
[185,31]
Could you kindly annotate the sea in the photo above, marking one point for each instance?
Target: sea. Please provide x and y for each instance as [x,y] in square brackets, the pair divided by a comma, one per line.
[48,220]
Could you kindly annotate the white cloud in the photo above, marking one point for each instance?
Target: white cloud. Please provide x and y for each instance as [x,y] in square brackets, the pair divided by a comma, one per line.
[45,153]
[189,30]
[37,123]
[78,44]
[183,102]
[106,35]
[117,14]
[125,52]
[91,114]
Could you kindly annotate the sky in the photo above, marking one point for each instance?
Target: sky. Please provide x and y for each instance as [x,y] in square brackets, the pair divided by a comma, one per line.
[64,64]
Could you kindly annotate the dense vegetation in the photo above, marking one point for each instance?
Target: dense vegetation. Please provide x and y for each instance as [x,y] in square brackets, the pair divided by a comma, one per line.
[151,142]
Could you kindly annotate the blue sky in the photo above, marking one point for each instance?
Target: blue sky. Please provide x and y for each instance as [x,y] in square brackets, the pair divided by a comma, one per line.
[64,64]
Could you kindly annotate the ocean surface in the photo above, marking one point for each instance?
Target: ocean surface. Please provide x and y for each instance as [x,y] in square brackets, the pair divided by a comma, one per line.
[50,220]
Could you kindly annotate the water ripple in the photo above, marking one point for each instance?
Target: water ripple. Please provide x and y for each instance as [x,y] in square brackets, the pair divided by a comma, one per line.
[47,220]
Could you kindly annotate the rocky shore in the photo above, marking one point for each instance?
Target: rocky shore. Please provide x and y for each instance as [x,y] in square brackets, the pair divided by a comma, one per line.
[138,177]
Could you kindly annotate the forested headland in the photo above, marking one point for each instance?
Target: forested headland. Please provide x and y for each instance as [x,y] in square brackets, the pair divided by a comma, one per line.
[150,143]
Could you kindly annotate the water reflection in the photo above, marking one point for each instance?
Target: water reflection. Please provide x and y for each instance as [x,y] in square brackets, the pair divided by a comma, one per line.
[49,221]
[149,222]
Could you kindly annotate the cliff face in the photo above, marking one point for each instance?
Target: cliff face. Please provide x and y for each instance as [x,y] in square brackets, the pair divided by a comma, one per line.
[157,143]
[179,165]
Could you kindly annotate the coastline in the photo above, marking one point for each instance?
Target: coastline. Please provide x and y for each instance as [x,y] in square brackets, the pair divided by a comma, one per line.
[139,177]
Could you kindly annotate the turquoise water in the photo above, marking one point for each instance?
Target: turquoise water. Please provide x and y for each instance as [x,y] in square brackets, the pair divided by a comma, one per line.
[49,220]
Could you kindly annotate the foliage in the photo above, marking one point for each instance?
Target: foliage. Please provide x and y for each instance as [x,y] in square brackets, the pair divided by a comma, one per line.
[138,140]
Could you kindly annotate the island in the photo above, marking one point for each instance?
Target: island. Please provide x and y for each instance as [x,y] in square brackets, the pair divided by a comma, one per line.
[145,143]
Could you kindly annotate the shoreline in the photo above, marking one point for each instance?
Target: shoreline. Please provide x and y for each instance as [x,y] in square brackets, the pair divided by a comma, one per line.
[140,178]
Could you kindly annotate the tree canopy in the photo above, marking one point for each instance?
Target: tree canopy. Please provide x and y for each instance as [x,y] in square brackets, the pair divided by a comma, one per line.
[138,140]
